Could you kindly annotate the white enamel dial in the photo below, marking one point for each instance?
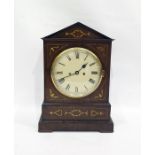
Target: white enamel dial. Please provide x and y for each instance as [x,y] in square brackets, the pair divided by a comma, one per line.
[76,72]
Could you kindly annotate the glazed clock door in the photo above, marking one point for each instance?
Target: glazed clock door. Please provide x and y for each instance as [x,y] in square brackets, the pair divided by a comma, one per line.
[76,72]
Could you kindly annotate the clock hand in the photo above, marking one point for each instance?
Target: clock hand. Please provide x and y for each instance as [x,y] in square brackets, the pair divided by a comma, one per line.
[76,72]
[83,66]
[66,77]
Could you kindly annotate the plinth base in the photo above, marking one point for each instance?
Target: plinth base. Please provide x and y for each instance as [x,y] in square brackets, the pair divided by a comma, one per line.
[78,125]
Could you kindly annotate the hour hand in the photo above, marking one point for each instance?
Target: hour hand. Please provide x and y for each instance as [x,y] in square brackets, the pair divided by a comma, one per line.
[84,66]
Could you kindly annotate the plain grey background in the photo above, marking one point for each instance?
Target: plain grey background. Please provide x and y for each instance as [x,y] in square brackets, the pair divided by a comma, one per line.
[117,19]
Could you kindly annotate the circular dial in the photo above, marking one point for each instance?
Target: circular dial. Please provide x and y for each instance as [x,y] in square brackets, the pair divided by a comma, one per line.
[76,72]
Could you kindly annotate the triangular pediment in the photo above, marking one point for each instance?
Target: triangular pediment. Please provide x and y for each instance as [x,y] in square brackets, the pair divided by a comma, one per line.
[78,31]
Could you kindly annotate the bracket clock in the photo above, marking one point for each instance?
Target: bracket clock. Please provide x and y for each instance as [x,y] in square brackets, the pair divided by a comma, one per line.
[76,81]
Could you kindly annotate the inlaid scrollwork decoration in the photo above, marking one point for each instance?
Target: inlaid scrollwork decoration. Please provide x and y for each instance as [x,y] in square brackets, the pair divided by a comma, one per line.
[52,49]
[94,113]
[58,112]
[77,33]
[100,95]
[55,47]
[52,94]
[76,113]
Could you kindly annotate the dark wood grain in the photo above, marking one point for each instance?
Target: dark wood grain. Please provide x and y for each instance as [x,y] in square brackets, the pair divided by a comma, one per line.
[69,125]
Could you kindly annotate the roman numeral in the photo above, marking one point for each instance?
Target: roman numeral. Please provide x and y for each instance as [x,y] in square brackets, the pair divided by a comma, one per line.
[68,57]
[77,54]
[92,64]
[62,80]
[76,89]
[61,64]
[67,87]
[92,81]
[86,88]
[59,72]
[94,72]
[86,57]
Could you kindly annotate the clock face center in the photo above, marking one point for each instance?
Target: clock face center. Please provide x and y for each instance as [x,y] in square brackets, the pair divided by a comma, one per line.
[76,72]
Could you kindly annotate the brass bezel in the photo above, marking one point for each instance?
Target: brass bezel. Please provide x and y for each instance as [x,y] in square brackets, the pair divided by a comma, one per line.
[54,62]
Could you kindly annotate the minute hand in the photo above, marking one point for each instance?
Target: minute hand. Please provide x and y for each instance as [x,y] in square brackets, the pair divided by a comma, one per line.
[76,72]
[68,76]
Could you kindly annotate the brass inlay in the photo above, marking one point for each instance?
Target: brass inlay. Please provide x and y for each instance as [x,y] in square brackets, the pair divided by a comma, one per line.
[100,95]
[103,73]
[57,112]
[52,49]
[55,47]
[52,94]
[76,113]
[95,113]
[77,33]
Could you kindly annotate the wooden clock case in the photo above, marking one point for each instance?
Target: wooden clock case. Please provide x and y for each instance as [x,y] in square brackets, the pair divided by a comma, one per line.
[90,113]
